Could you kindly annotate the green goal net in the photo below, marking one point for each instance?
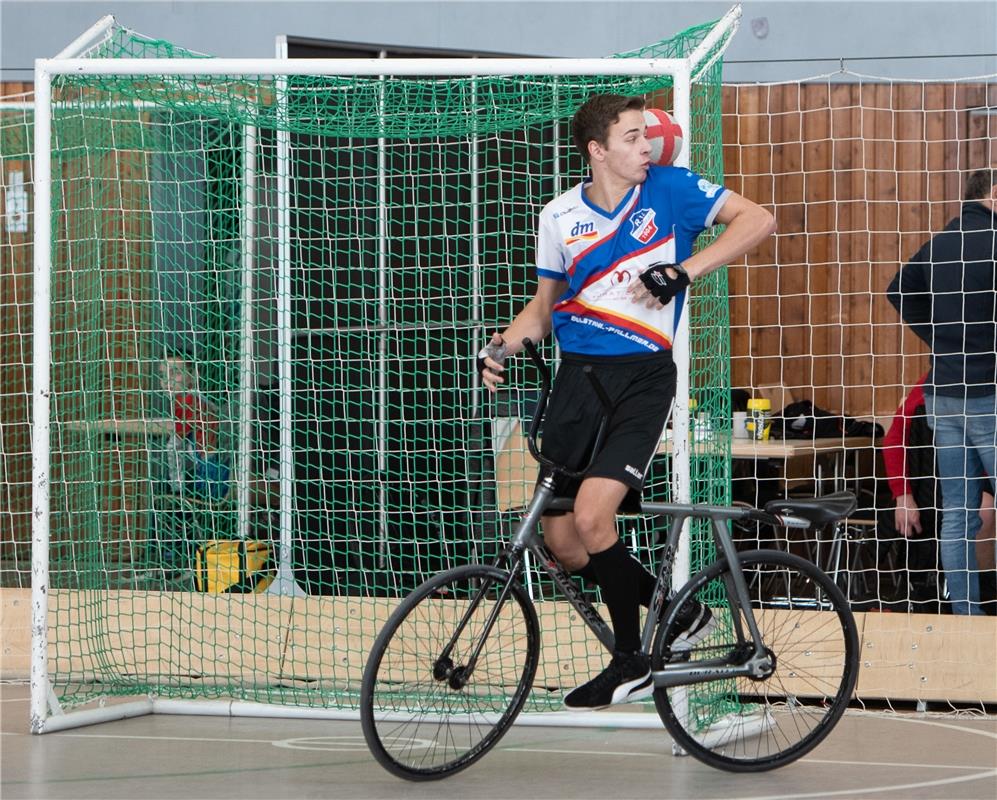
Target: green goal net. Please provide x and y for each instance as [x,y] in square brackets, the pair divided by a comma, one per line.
[266,298]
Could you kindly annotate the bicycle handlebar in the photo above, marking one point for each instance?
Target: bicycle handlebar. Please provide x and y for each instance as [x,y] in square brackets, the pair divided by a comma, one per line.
[545,386]
[538,412]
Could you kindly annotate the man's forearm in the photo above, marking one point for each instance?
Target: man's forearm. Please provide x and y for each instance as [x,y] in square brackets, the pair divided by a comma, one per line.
[533,323]
[742,235]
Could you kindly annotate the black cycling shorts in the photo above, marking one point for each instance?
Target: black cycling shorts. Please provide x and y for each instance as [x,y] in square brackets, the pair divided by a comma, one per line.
[641,388]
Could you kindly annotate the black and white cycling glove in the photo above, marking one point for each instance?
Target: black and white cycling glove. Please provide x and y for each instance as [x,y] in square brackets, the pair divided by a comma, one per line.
[660,285]
[496,352]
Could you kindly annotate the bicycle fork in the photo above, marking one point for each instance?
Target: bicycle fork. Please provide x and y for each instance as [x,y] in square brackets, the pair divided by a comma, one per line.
[457,676]
[512,560]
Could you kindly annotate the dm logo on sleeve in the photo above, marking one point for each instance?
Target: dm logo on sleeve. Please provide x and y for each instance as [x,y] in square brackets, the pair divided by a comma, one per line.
[642,225]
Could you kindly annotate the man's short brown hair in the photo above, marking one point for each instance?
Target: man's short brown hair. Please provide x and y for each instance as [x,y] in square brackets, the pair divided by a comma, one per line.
[594,118]
[980,184]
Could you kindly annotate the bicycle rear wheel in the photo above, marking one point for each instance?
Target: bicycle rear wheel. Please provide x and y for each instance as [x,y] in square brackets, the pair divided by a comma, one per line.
[425,714]
[760,724]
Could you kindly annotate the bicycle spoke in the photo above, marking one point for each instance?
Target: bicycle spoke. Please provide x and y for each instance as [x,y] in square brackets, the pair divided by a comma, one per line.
[778,719]
[427,716]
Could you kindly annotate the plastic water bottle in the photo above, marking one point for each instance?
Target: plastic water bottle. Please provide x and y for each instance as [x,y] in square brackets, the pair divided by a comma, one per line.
[701,427]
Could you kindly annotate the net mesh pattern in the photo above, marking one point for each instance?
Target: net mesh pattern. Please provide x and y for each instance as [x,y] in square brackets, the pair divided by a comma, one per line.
[412,212]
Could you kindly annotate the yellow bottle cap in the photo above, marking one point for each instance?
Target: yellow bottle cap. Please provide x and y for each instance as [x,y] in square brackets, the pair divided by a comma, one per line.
[759,404]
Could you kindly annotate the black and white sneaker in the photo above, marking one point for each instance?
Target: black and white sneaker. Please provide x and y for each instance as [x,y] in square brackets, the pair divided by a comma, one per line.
[626,679]
[693,624]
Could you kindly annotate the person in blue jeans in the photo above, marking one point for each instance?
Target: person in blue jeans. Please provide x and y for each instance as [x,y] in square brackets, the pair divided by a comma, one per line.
[946,294]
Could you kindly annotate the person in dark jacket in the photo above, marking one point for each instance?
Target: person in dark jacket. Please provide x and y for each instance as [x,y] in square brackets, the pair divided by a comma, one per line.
[946,294]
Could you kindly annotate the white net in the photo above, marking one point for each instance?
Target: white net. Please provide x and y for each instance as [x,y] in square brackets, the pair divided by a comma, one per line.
[860,172]
[16,123]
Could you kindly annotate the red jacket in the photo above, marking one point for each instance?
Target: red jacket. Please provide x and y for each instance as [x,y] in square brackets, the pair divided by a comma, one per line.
[897,439]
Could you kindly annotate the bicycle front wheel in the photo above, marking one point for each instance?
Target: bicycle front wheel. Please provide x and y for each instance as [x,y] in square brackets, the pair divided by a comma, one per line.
[428,706]
[755,724]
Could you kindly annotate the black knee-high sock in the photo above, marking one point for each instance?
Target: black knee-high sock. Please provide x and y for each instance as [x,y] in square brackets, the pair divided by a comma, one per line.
[645,586]
[587,573]
[620,584]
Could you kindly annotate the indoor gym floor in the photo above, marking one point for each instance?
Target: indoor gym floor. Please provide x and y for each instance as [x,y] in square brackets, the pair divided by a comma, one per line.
[868,755]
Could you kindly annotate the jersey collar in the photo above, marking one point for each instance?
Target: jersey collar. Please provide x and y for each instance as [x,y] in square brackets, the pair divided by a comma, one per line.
[601,211]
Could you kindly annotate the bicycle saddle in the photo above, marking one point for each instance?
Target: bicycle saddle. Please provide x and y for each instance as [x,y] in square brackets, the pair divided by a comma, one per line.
[819,510]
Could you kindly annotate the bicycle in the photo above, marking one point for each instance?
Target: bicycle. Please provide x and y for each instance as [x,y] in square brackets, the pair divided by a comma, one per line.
[461,651]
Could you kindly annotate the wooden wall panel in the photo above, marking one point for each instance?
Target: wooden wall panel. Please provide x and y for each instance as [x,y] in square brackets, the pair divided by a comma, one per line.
[93,312]
[287,641]
[101,289]
[859,175]
[981,128]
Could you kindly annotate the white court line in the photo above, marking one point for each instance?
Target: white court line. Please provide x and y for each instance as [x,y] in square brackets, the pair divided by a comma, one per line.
[991,734]
[865,790]
[888,764]
[539,750]
[552,751]
[61,735]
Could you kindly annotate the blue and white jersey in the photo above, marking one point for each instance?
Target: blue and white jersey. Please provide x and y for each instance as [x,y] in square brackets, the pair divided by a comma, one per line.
[598,254]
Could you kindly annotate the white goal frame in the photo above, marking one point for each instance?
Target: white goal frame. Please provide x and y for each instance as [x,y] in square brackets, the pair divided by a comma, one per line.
[45,712]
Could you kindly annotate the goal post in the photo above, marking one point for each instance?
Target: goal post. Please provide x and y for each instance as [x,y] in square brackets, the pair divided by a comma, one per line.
[331,236]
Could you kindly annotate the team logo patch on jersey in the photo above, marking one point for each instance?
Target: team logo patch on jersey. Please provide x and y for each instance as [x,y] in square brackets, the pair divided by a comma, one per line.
[642,225]
[707,188]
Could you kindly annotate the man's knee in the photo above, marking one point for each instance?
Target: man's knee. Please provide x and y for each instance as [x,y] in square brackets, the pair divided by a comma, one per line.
[562,540]
[596,527]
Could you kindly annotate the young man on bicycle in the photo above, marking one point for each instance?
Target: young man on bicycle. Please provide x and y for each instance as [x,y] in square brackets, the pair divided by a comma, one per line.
[614,258]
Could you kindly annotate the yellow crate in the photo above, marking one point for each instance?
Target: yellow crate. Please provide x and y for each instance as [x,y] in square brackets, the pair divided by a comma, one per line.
[233,566]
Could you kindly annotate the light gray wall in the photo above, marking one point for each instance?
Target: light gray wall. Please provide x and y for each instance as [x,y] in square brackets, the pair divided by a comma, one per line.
[832,30]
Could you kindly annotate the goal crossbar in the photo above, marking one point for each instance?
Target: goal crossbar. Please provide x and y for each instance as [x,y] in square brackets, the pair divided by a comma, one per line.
[373,67]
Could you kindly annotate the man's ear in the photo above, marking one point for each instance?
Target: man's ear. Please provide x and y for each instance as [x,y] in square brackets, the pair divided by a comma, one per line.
[596,151]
